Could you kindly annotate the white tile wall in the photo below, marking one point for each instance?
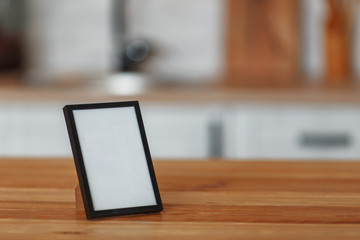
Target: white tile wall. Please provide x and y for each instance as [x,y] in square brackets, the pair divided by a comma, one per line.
[68,38]
[187,37]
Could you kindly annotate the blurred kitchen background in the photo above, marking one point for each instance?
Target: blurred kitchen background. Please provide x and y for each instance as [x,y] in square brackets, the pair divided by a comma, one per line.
[234,79]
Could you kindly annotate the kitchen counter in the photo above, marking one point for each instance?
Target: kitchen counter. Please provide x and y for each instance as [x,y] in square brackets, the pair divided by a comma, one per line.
[181,93]
[202,200]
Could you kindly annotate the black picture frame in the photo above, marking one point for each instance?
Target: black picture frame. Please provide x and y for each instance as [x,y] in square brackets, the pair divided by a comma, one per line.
[80,166]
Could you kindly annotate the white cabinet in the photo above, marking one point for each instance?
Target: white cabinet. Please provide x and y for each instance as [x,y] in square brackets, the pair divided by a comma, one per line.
[292,132]
[174,131]
[33,130]
[180,131]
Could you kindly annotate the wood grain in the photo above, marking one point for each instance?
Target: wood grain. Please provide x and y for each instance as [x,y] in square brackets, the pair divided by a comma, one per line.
[339,28]
[262,43]
[216,94]
[202,200]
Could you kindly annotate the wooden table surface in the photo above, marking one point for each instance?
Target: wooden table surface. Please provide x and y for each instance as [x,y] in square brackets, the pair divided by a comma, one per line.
[202,200]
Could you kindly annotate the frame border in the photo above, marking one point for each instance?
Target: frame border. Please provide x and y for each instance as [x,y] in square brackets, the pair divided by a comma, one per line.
[80,167]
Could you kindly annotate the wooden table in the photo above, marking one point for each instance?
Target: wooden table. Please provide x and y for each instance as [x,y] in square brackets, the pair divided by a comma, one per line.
[202,200]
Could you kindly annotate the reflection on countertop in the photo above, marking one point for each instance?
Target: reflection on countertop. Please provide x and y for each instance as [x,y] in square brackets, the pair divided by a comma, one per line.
[134,87]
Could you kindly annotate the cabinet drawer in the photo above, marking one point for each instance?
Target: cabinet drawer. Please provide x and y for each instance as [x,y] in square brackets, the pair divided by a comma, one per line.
[296,132]
[179,131]
[33,130]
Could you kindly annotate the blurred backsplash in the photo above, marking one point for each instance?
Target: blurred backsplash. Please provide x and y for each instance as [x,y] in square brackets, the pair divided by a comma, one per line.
[66,39]
[92,39]
[240,79]
[239,43]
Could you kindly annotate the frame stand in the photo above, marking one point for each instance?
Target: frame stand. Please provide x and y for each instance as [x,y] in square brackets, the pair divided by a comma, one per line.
[78,199]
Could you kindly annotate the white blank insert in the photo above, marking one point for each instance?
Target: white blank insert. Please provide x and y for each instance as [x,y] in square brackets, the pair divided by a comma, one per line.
[114,158]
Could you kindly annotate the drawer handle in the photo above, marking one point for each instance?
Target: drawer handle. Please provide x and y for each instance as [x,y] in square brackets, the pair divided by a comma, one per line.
[325,140]
[215,138]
